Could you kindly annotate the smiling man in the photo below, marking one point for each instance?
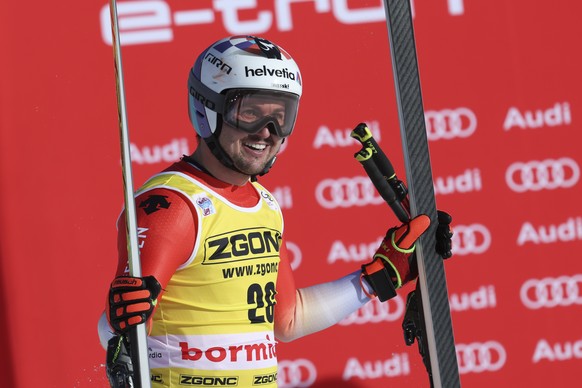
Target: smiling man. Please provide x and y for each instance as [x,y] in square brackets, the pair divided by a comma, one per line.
[217,290]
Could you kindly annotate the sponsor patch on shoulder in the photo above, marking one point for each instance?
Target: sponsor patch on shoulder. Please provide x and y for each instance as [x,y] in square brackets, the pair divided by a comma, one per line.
[205,205]
[268,198]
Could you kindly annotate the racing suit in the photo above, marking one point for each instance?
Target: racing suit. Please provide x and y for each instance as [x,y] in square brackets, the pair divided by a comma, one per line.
[228,291]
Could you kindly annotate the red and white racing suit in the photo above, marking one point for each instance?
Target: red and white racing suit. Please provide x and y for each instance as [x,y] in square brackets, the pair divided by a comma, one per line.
[228,290]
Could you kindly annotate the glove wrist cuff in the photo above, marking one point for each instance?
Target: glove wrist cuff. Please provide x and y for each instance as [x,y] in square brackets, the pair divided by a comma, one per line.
[378,277]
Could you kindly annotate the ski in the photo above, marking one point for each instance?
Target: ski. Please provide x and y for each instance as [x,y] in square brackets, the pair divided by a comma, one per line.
[428,317]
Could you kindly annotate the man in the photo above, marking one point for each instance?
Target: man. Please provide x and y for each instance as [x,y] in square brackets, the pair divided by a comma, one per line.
[212,237]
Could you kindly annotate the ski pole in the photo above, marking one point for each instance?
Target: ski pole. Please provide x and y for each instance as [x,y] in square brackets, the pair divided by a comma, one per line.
[394,191]
[137,336]
[364,156]
[381,172]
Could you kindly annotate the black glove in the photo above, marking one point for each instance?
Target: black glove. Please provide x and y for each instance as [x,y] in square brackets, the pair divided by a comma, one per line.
[131,301]
[118,363]
[444,234]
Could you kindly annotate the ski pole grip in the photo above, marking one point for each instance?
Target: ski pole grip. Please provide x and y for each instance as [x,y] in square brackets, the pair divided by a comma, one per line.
[363,134]
[364,156]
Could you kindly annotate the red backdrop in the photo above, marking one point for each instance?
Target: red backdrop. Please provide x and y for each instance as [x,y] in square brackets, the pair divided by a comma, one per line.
[501,87]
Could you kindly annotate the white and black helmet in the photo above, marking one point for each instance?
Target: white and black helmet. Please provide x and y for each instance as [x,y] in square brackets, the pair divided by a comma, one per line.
[230,70]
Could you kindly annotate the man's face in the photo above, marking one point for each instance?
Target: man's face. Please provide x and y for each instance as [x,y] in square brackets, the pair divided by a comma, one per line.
[251,152]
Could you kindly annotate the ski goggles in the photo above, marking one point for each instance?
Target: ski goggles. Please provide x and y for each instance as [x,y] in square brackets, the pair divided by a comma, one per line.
[251,110]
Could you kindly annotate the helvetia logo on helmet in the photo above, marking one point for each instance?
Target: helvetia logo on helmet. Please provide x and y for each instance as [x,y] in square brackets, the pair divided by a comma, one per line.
[266,72]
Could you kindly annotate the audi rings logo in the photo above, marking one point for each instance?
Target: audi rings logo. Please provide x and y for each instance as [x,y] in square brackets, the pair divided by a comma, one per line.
[467,239]
[296,374]
[552,292]
[479,357]
[547,174]
[347,192]
[450,123]
[375,311]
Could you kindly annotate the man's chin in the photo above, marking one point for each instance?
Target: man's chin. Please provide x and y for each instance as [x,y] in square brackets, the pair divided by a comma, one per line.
[251,170]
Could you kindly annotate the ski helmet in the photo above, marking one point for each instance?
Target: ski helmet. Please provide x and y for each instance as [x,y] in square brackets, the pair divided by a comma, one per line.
[238,69]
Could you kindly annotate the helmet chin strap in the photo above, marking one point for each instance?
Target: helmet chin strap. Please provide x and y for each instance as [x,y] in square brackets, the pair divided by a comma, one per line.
[266,169]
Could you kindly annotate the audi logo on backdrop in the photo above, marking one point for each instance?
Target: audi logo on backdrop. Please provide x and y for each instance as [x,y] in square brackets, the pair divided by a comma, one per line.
[467,239]
[480,357]
[552,292]
[347,192]
[296,373]
[375,311]
[546,174]
[450,123]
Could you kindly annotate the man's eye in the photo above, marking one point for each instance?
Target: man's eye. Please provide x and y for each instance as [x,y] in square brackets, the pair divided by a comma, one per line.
[280,117]
[249,114]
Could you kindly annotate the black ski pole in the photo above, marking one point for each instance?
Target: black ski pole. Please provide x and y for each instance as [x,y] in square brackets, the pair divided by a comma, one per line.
[394,191]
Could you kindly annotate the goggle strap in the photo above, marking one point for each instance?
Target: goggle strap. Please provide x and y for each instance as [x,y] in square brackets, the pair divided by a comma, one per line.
[208,97]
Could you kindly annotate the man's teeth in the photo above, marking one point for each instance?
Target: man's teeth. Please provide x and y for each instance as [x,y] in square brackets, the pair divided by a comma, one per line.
[258,147]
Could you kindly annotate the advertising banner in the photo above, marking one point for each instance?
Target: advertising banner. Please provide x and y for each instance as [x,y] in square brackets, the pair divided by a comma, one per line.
[501,89]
